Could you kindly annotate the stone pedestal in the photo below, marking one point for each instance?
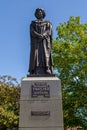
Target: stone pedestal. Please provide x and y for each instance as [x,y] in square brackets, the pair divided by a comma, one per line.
[41,104]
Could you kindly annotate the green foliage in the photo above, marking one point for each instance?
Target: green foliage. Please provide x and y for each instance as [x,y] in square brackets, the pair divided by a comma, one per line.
[9,102]
[70,62]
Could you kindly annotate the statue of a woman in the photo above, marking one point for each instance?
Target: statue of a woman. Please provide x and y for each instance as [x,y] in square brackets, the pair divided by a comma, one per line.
[41,41]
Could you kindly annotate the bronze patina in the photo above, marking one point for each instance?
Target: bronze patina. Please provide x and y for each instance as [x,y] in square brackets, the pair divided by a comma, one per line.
[41,42]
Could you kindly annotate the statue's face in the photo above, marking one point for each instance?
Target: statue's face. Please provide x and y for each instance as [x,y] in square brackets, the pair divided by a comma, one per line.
[40,15]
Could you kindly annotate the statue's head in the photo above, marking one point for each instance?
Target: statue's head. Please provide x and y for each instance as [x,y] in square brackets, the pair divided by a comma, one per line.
[40,13]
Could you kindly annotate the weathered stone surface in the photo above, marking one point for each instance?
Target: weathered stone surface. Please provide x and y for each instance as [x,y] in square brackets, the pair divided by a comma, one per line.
[48,128]
[41,113]
[54,119]
[53,82]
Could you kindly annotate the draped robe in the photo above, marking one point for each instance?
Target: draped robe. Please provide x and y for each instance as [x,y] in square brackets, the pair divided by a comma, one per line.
[40,52]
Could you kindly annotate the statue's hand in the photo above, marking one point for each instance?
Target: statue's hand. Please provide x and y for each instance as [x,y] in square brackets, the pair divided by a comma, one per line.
[45,35]
[41,36]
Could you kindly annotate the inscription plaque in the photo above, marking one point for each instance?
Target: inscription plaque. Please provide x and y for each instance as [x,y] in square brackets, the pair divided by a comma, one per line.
[40,113]
[40,89]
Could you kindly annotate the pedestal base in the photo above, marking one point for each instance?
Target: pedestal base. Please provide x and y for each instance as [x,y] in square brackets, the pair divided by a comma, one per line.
[41,104]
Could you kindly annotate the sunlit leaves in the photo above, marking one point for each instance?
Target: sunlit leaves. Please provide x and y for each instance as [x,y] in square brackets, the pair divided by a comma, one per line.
[9,102]
[70,62]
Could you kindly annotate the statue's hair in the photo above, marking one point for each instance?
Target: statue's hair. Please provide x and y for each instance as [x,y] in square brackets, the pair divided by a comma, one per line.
[38,9]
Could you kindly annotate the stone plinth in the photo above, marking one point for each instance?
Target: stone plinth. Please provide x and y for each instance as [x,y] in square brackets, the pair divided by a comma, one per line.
[41,104]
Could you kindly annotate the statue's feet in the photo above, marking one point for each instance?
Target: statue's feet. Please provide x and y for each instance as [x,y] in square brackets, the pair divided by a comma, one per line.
[48,71]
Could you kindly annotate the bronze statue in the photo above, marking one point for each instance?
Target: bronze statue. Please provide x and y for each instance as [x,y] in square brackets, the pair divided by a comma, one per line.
[41,41]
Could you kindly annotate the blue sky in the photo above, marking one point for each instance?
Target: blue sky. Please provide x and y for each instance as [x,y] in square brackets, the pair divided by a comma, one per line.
[15,18]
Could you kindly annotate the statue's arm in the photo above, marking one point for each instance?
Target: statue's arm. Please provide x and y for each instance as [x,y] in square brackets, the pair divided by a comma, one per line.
[34,33]
[48,31]
[37,34]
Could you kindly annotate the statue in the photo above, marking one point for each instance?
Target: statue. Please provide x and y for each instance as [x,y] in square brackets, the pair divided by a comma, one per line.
[41,41]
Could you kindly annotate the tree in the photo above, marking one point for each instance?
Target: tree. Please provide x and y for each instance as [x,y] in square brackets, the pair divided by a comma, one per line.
[9,102]
[70,63]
